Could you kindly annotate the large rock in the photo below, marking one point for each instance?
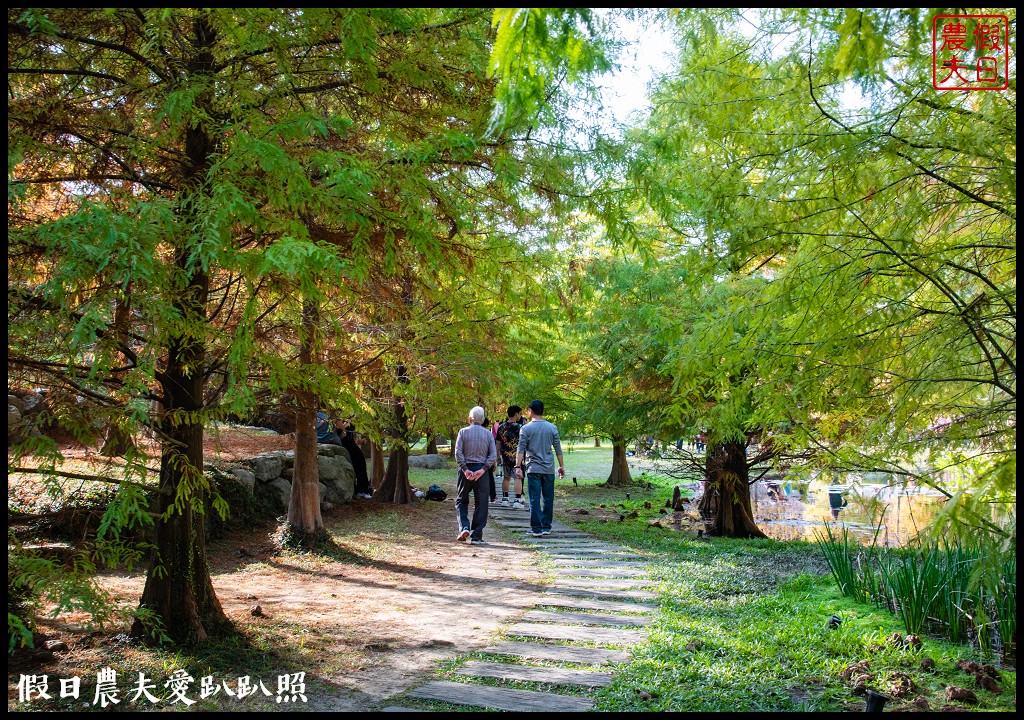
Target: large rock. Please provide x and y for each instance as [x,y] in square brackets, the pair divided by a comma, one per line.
[13,419]
[33,403]
[245,477]
[266,467]
[430,462]
[339,479]
[278,491]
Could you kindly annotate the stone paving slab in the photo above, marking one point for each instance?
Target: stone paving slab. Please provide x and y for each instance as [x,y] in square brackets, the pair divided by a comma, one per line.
[602,636]
[584,604]
[534,673]
[625,595]
[609,563]
[586,618]
[395,708]
[566,540]
[566,548]
[500,698]
[601,559]
[595,554]
[602,572]
[591,583]
[563,653]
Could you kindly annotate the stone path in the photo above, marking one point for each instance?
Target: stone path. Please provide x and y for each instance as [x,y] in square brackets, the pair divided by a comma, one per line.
[590,617]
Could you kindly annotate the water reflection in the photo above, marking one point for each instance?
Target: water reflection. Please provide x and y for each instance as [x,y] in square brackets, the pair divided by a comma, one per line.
[896,513]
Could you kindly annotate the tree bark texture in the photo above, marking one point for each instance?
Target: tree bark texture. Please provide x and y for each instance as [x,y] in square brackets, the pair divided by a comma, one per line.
[726,500]
[396,488]
[376,465]
[304,508]
[118,440]
[179,591]
[620,474]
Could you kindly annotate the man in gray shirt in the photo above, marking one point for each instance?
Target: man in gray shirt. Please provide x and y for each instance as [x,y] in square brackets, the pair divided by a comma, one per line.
[476,456]
[536,441]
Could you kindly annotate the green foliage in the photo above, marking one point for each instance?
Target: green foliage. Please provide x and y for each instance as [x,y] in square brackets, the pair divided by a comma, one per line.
[949,587]
[34,580]
[846,270]
[534,49]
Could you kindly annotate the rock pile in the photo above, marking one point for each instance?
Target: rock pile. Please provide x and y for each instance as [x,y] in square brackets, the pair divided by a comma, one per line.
[270,475]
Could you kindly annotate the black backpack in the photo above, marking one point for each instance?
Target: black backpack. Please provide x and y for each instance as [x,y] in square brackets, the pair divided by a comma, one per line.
[434,492]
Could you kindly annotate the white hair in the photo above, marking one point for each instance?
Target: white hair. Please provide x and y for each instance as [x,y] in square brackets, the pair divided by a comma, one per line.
[477,414]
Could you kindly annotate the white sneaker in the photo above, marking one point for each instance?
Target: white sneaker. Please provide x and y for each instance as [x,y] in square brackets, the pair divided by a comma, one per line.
[463,536]
[518,505]
[504,502]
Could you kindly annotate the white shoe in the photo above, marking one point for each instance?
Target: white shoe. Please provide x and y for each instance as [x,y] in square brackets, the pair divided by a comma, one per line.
[518,505]
[504,502]
[463,536]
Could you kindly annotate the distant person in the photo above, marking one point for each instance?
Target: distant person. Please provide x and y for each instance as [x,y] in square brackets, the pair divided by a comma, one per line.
[537,439]
[325,433]
[836,501]
[476,456]
[350,442]
[507,445]
[776,493]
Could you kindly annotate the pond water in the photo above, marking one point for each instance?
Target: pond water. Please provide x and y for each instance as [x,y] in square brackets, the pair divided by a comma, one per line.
[895,513]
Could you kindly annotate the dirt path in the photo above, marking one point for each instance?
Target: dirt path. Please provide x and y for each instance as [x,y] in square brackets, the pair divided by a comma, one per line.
[363,629]
[365,622]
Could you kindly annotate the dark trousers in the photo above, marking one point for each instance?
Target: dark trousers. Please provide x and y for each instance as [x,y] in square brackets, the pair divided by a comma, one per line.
[542,500]
[481,490]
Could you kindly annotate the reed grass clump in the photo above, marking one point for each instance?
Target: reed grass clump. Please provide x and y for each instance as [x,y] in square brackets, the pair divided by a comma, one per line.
[950,588]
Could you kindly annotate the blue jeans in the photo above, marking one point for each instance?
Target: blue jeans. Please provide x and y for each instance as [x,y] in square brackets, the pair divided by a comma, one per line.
[542,500]
[481,491]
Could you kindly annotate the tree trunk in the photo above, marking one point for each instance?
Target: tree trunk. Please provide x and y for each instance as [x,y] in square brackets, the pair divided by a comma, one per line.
[396,488]
[620,474]
[597,441]
[304,519]
[726,501]
[376,465]
[452,434]
[118,440]
[431,443]
[179,592]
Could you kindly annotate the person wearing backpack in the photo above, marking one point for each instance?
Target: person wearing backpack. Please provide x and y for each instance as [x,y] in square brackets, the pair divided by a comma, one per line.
[507,437]
[476,456]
